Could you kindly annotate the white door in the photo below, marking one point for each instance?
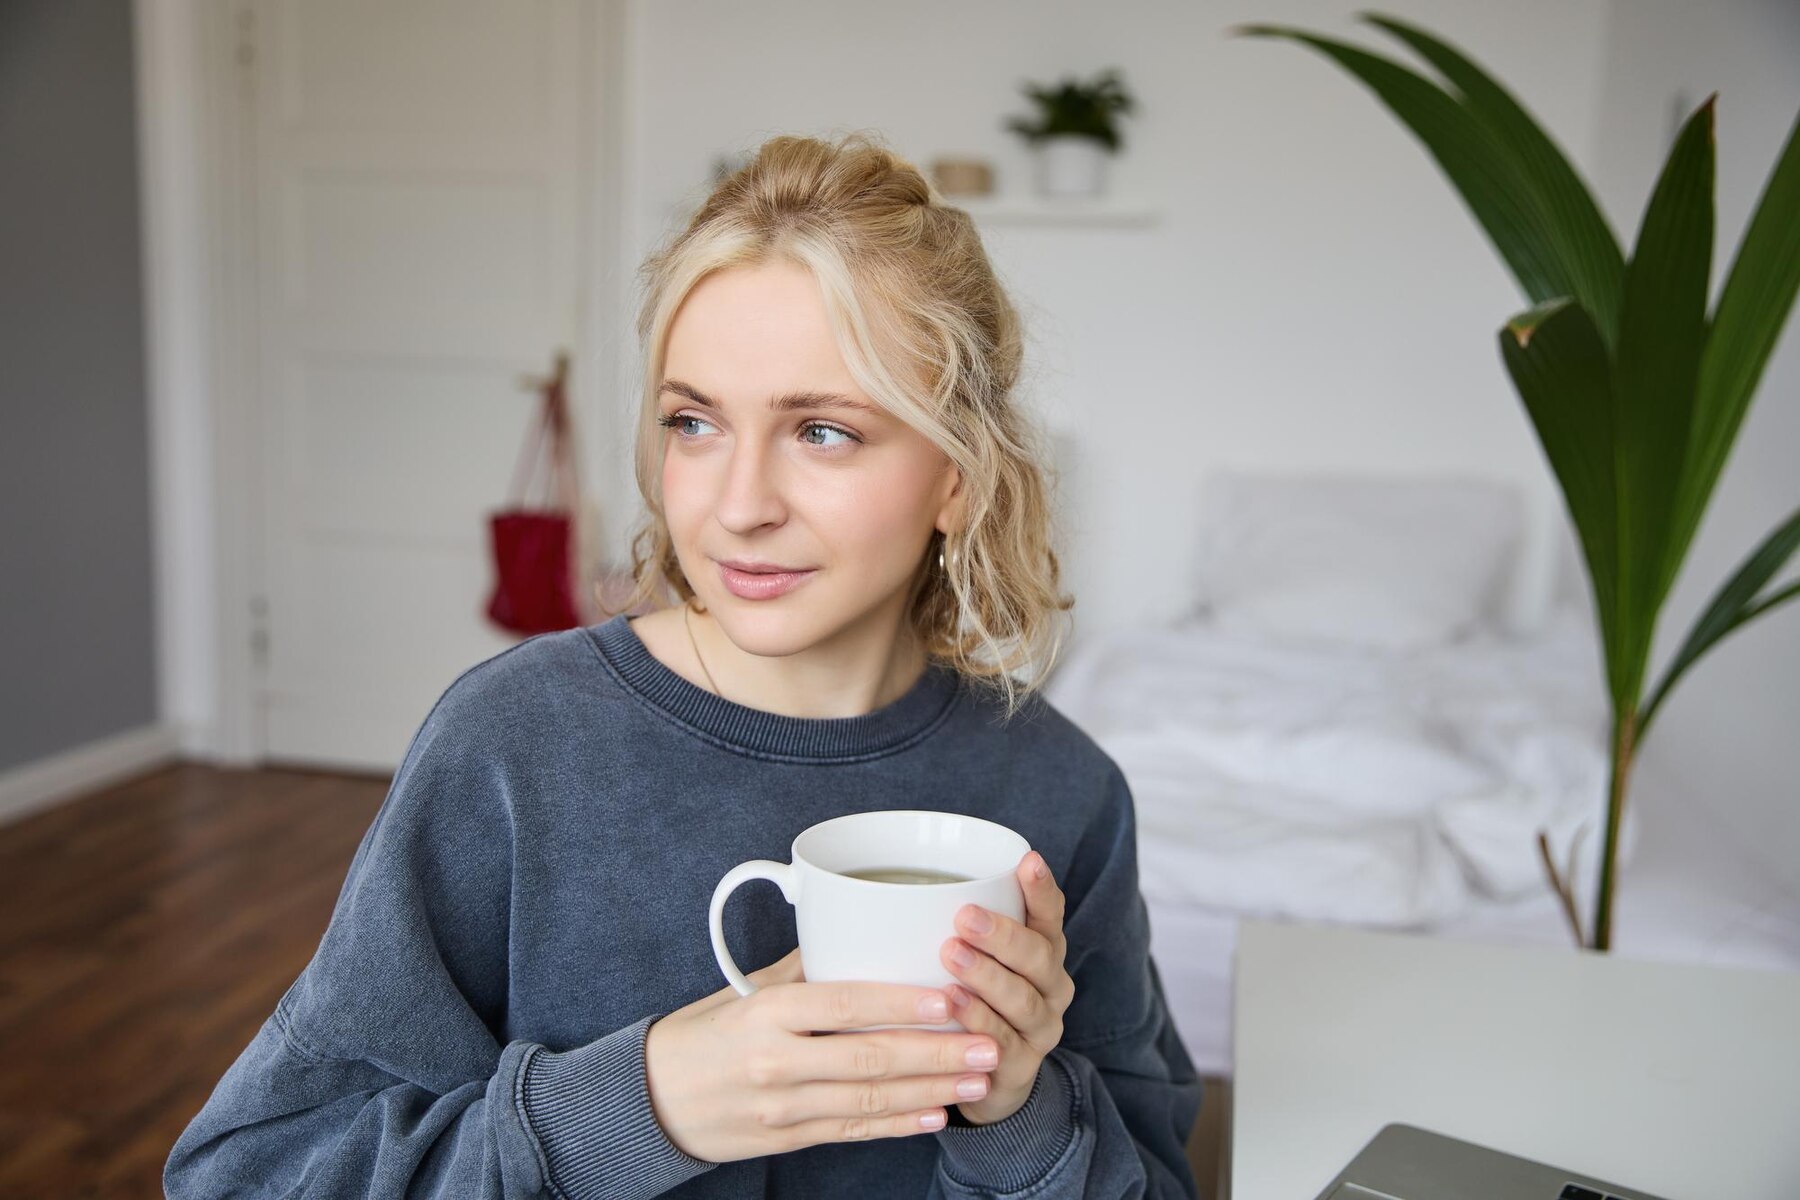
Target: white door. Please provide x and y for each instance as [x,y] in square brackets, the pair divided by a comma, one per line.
[419,220]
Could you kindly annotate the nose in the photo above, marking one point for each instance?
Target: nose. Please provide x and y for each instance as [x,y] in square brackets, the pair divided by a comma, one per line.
[750,492]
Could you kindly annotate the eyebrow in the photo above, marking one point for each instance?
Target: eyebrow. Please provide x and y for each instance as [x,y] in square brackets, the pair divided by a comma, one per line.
[783,403]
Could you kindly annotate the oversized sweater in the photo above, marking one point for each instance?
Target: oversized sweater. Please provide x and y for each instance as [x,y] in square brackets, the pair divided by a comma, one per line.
[533,893]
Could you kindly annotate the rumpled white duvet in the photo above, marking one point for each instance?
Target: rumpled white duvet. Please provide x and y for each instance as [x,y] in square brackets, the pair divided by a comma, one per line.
[1382,787]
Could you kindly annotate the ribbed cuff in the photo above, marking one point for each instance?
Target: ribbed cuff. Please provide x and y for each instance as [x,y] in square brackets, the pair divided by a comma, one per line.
[1021,1149]
[590,1110]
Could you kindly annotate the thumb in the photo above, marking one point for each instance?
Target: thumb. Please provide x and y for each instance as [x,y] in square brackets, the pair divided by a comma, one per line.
[787,969]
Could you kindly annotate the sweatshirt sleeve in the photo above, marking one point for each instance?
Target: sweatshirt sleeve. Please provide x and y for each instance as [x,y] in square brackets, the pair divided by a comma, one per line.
[379,1073]
[1109,1115]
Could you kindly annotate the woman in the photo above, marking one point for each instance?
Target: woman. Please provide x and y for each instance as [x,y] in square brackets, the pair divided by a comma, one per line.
[516,995]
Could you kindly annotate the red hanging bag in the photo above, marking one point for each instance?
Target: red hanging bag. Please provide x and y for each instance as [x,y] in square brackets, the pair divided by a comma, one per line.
[534,585]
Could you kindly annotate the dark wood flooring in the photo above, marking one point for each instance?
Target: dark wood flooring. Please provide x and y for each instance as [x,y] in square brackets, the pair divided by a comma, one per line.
[146,931]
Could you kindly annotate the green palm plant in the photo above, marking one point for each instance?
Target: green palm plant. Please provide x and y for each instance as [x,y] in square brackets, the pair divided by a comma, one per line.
[1635,389]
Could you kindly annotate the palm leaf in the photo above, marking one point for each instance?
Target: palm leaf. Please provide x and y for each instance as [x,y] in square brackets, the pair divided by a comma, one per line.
[1484,172]
[1733,605]
[1582,240]
[1560,367]
[1662,330]
[1753,307]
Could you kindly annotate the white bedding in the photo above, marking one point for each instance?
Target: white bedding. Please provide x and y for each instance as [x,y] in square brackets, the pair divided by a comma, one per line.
[1389,788]
[1689,896]
[1398,789]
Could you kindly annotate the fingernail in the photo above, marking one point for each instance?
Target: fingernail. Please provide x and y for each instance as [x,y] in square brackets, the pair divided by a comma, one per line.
[1037,867]
[958,997]
[972,1089]
[960,955]
[981,1056]
[933,1007]
[978,921]
[932,1120]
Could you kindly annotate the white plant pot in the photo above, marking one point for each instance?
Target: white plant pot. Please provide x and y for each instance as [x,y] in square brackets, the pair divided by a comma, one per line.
[1071,165]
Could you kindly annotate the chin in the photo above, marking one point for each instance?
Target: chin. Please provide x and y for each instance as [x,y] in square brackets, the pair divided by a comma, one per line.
[768,629]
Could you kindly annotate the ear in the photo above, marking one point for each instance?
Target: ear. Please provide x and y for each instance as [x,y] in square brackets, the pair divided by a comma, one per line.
[950,512]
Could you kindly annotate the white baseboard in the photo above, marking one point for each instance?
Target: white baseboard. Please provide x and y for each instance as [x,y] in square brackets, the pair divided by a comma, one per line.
[84,769]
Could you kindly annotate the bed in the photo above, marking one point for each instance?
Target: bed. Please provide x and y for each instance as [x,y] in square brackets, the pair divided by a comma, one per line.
[1343,727]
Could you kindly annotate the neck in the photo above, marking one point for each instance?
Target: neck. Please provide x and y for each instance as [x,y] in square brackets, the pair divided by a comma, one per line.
[858,669]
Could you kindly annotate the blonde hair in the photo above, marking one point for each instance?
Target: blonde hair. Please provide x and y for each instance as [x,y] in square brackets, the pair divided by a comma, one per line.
[929,334]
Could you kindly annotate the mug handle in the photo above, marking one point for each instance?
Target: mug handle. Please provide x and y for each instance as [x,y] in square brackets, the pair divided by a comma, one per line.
[778,873]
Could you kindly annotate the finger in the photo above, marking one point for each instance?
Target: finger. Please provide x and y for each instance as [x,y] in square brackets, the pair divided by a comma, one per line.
[978,1016]
[854,1004]
[860,1128]
[787,969]
[869,1098]
[1021,949]
[885,1054]
[1043,898]
[1011,996]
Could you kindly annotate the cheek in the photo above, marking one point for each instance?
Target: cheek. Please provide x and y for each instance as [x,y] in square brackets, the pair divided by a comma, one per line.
[874,515]
[682,489]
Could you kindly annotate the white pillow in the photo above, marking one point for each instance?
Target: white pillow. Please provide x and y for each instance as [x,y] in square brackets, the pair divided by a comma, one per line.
[1381,562]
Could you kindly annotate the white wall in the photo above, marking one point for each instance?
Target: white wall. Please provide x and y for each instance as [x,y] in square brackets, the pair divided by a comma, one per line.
[1724,740]
[1316,293]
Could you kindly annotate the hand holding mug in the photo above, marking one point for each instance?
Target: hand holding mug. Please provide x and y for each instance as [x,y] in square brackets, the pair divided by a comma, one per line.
[873,894]
[738,1076]
[1013,988]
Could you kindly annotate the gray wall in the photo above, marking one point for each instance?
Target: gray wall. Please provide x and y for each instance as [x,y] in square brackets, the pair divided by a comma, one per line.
[76,624]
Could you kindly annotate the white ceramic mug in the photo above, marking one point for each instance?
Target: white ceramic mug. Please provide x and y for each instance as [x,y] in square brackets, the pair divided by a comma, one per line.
[878,931]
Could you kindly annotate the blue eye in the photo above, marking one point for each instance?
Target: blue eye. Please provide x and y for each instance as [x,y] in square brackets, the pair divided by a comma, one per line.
[677,421]
[843,433]
[674,420]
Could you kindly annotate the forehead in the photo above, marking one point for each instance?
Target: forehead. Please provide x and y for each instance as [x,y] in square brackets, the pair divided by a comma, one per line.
[748,331]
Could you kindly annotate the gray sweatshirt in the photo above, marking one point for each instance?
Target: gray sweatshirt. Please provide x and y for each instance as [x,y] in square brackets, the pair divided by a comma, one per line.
[533,894]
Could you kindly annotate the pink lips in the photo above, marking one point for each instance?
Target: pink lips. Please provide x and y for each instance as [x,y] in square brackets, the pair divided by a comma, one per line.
[750,585]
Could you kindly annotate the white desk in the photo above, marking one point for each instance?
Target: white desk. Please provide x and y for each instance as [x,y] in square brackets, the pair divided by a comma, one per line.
[1683,1081]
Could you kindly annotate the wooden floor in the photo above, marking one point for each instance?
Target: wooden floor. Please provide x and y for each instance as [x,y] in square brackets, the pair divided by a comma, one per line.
[146,931]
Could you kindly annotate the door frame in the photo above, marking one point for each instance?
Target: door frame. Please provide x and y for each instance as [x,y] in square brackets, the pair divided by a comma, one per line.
[197,180]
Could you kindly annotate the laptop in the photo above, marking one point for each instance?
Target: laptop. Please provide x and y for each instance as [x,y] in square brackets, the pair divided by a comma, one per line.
[1404,1162]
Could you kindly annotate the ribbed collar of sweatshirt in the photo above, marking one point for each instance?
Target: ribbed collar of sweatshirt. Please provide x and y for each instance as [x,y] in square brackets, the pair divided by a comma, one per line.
[909,717]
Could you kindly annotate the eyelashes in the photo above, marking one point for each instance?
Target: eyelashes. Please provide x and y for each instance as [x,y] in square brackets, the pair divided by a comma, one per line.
[675,420]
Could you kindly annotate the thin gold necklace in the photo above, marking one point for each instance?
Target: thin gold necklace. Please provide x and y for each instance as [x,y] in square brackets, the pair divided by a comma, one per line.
[687,613]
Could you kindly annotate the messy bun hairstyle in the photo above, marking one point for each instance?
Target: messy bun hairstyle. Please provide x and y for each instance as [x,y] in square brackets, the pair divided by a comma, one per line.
[928,333]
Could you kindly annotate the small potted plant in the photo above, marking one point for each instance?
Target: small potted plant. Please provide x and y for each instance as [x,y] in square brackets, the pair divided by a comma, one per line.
[1073,132]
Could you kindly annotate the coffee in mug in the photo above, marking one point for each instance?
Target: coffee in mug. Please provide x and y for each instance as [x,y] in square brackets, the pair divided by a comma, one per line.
[905,875]
[875,895]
